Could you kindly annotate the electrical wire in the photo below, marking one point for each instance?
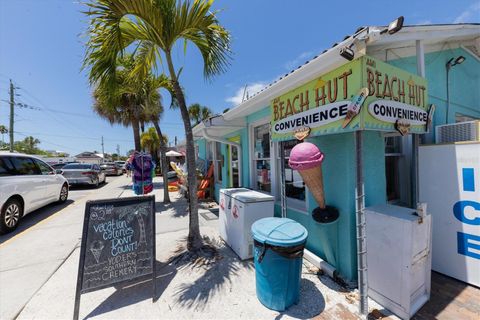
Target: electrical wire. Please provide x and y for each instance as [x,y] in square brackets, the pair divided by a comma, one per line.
[73,137]
[49,142]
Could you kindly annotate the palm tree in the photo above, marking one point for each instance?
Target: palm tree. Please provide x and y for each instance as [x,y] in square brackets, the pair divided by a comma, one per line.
[3,130]
[205,113]
[194,113]
[152,110]
[150,141]
[30,144]
[118,104]
[157,26]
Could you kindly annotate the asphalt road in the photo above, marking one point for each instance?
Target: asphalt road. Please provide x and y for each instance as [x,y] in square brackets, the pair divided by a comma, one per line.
[44,239]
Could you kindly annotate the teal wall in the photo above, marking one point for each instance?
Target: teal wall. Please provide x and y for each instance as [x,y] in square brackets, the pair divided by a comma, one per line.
[464,83]
[336,242]
[202,148]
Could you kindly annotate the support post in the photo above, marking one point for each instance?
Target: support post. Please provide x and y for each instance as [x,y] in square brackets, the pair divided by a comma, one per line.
[361,230]
[283,196]
[420,53]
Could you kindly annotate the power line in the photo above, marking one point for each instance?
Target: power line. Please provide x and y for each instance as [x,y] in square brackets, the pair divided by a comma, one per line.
[72,137]
[45,141]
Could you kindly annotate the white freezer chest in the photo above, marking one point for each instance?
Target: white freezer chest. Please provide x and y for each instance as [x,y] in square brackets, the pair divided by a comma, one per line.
[398,258]
[239,209]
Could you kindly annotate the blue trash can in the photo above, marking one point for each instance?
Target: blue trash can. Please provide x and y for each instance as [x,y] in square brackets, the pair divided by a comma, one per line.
[278,253]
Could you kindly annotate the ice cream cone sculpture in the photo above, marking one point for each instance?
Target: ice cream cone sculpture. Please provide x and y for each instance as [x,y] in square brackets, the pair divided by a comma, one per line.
[307,159]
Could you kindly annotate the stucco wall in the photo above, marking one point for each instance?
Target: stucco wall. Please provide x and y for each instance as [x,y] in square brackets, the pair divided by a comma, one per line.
[336,242]
[464,83]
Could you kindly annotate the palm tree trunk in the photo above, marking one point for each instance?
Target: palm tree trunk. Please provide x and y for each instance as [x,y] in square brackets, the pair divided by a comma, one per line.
[194,241]
[136,134]
[163,160]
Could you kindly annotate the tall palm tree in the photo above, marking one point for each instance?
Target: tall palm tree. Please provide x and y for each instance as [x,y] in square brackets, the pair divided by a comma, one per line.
[157,26]
[152,111]
[119,103]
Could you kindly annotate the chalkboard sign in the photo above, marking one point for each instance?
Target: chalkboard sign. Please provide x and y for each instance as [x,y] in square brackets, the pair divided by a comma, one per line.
[118,243]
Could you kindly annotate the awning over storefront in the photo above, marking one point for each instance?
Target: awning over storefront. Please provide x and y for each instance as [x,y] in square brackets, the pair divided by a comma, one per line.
[217,126]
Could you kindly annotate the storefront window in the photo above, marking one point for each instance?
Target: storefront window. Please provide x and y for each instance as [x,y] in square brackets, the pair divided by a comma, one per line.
[234,165]
[218,162]
[393,154]
[294,185]
[261,157]
[210,150]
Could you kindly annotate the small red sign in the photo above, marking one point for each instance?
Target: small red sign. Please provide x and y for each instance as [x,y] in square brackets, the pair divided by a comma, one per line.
[235,212]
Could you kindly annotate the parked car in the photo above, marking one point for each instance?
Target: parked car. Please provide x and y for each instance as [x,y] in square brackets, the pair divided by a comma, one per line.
[121,164]
[26,184]
[111,169]
[84,173]
[58,166]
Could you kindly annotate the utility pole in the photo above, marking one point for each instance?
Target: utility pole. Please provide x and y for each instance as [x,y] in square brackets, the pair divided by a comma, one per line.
[12,103]
[118,150]
[103,150]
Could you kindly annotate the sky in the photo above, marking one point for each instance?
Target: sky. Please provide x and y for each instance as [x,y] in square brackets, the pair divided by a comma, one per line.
[42,48]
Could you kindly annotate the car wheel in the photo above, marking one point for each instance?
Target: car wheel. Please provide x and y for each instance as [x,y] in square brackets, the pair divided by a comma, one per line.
[63,193]
[10,215]
[97,182]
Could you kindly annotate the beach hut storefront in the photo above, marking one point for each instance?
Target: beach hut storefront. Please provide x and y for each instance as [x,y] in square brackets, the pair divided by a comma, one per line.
[374,96]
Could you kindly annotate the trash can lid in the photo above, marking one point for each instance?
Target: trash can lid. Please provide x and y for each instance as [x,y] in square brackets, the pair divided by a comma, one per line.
[282,232]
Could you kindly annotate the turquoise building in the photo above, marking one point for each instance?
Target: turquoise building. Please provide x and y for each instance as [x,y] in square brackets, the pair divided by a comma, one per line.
[244,148]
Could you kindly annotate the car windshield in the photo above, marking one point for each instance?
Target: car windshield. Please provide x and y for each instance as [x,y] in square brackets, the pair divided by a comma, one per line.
[78,166]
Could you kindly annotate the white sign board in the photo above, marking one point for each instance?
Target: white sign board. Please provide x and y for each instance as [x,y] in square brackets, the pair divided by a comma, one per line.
[449,182]
[391,111]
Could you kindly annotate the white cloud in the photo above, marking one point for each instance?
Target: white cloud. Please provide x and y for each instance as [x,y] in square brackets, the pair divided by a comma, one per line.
[300,59]
[470,14]
[251,90]
[259,85]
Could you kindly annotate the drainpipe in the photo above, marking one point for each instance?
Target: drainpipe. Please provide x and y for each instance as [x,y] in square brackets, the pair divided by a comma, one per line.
[231,143]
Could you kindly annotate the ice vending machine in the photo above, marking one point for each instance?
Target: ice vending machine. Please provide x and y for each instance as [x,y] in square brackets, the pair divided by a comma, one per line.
[398,258]
[239,209]
[449,182]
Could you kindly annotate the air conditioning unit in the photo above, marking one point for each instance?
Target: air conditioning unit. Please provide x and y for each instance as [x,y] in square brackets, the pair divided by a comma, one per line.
[455,132]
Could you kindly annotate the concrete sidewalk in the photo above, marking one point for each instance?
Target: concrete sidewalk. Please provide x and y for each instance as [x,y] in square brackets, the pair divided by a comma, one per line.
[224,290]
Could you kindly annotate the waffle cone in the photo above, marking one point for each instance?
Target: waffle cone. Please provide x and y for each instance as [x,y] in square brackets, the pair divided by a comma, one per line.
[313,178]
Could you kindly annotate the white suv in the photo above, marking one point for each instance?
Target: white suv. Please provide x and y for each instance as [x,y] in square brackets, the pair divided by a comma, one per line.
[26,184]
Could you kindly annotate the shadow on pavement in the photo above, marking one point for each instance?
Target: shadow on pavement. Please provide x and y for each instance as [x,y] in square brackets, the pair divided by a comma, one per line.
[132,294]
[178,208]
[87,187]
[35,217]
[311,302]
[218,273]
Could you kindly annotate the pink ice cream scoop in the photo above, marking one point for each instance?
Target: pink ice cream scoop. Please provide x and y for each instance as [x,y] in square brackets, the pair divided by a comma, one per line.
[307,159]
[304,156]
